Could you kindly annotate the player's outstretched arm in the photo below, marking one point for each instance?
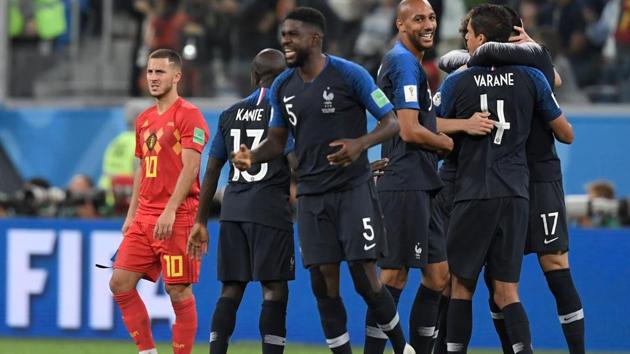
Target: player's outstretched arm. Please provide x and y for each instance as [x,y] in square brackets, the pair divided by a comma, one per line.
[478,124]
[350,149]
[562,129]
[269,149]
[133,204]
[197,245]
[412,132]
[191,160]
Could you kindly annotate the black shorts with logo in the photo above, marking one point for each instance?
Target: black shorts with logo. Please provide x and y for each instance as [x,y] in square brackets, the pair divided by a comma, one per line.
[406,216]
[488,232]
[548,231]
[250,251]
[341,225]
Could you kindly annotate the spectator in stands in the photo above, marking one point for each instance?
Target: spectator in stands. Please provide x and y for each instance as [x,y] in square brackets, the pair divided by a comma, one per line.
[600,189]
[81,192]
[567,19]
[33,26]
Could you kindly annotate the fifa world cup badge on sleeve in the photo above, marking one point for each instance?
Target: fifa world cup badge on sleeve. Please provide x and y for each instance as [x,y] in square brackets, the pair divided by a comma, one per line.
[199,136]
[379,98]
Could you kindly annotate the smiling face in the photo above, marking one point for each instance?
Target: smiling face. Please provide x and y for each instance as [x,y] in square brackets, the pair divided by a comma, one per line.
[162,77]
[298,40]
[417,23]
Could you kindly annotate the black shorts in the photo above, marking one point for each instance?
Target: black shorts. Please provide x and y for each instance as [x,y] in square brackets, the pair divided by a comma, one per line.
[406,216]
[548,231]
[488,232]
[249,251]
[441,208]
[345,225]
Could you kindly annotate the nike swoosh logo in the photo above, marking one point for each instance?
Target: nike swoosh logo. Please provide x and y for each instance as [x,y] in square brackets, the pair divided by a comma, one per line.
[549,241]
[570,317]
[287,99]
[367,248]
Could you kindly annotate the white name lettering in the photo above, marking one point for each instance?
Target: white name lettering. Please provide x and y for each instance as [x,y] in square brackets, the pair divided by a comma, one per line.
[249,115]
[492,80]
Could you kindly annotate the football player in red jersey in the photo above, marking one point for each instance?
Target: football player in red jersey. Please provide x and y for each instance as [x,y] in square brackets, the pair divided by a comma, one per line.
[170,137]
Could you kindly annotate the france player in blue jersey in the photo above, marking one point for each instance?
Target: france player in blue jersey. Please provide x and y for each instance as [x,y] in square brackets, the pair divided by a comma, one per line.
[548,232]
[256,232]
[322,100]
[489,220]
[410,180]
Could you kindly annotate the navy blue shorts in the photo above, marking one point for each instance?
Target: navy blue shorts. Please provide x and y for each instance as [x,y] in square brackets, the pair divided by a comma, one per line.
[548,231]
[490,232]
[344,225]
[407,216]
[249,251]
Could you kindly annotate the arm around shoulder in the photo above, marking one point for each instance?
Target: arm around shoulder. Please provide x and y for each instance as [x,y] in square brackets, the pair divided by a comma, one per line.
[562,129]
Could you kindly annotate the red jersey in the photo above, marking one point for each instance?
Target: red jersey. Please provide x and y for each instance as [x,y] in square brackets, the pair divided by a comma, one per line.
[160,140]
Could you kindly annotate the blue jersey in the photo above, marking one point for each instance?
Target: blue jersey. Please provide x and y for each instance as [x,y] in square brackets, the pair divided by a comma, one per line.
[495,165]
[542,158]
[330,107]
[410,167]
[261,194]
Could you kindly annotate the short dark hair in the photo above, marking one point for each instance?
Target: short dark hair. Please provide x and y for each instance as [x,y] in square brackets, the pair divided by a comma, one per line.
[493,21]
[310,16]
[172,56]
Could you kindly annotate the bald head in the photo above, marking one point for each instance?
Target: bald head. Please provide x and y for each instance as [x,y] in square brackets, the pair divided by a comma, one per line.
[405,8]
[267,64]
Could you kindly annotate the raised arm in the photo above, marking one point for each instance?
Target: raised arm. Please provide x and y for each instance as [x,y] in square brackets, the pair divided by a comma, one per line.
[411,131]
[351,148]
[269,149]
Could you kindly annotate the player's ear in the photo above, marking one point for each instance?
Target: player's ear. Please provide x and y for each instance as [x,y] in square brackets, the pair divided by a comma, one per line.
[177,77]
[399,24]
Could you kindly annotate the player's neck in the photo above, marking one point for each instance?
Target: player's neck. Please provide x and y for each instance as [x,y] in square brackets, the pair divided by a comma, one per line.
[312,67]
[419,54]
[164,103]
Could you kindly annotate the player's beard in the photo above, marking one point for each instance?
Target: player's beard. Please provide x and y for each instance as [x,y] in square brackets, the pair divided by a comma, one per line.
[167,89]
[417,43]
[301,56]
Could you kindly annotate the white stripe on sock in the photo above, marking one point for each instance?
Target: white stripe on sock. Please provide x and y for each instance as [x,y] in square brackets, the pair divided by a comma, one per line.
[435,334]
[213,336]
[426,331]
[375,332]
[497,315]
[455,347]
[275,340]
[391,325]
[571,317]
[518,347]
[339,341]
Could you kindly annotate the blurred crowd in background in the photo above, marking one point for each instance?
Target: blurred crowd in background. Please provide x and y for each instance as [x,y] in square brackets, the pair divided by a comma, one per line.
[99,47]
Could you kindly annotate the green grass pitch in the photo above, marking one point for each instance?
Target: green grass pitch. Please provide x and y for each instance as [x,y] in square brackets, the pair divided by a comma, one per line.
[48,346]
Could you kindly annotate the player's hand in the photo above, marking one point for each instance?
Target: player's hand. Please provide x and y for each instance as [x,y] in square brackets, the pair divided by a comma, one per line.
[378,166]
[479,124]
[126,225]
[164,226]
[521,37]
[242,158]
[446,143]
[345,156]
[197,245]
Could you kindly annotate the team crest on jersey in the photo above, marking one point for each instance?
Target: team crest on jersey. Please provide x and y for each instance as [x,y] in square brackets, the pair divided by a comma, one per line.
[151,140]
[328,98]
